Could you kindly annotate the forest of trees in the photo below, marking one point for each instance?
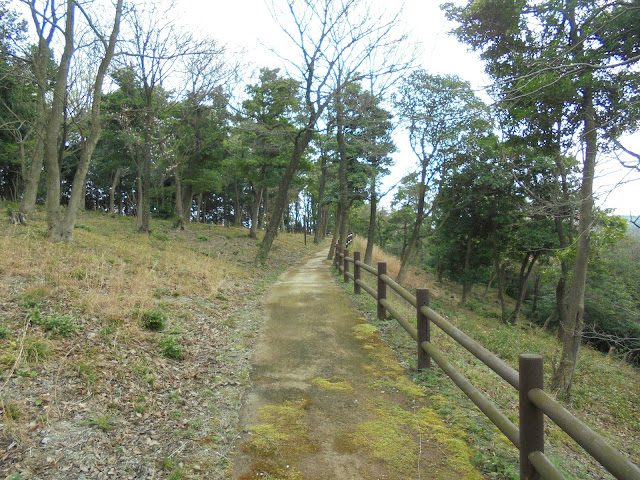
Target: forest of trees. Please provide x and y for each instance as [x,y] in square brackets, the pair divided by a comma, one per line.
[114,107]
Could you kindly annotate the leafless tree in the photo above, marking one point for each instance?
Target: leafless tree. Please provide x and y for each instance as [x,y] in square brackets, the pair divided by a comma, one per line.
[205,78]
[334,41]
[154,47]
[49,22]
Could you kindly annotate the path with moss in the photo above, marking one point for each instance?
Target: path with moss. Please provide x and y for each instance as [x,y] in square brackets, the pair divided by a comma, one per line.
[328,399]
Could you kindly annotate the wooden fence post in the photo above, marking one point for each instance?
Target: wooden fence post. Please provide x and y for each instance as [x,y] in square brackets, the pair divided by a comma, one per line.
[424,327]
[345,270]
[382,290]
[531,417]
[336,256]
[356,273]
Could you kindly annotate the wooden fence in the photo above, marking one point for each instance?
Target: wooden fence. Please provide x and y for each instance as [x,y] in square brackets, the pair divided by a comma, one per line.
[534,403]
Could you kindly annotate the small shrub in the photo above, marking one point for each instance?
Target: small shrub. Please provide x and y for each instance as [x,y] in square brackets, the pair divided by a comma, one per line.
[15,476]
[11,411]
[79,274]
[36,349]
[177,474]
[153,320]
[4,332]
[202,238]
[166,464]
[103,422]
[61,325]
[222,297]
[34,297]
[171,348]
[86,372]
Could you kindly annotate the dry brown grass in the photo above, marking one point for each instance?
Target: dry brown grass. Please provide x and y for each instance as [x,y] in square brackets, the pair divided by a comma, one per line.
[111,374]
[109,273]
[413,279]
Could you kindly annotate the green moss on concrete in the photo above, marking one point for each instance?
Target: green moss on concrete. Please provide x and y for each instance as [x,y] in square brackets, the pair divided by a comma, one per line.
[337,385]
[282,432]
[403,439]
[386,440]
[366,332]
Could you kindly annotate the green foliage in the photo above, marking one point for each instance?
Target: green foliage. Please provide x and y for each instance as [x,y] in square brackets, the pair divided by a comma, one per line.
[36,349]
[15,476]
[4,332]
[103,422]
[177,474]
[55,323]
[34,296]
[154,320]
[171,347]
[11,411]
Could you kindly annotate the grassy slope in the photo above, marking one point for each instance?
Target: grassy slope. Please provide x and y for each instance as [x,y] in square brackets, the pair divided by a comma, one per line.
[606,392]
[78,368]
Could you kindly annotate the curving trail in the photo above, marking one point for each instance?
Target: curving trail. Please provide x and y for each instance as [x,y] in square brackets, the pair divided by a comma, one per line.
[327,398]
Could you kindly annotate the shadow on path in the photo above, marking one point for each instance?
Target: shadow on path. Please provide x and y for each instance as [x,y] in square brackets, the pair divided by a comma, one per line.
[329,401]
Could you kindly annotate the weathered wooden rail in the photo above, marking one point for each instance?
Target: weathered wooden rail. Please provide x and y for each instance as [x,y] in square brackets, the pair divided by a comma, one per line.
[534,403]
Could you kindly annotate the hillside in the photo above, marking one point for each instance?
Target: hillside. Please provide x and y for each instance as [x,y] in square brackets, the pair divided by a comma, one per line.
[606,392]
[126,356]
[123,355]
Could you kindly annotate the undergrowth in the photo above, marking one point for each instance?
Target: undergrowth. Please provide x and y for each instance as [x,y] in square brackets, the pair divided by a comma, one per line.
[605,395]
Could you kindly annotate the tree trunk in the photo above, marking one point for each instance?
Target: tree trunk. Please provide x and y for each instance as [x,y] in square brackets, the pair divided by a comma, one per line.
[52,131]
[139,196]
[501,276]
[300,145]
[467,284]
[179,203]
[523,281]
[187,200]
[28,203]
[265,210]
[536,292]
[371,233]
[77,200]
[237,208]
[325,220]
[112,190]
[255,209]
[343,199]
[571,329]
[336,233]
[320,220]
[492,277]
[121,202]
[144,205]
[413,240]
[198,207]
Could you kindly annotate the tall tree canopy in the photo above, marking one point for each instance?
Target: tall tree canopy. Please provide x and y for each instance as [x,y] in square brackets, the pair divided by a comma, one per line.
[567,70]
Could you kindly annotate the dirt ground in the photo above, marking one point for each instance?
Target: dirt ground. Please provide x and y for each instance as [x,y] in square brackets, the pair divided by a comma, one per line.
[328,399]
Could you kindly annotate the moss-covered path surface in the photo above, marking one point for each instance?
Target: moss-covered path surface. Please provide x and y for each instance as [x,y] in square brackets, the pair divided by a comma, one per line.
[328,399]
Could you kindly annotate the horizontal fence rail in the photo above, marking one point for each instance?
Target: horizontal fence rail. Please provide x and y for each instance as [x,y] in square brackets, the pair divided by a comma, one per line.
[534,403]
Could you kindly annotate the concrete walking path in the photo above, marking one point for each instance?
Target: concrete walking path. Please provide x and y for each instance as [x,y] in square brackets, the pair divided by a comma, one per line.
[329,401]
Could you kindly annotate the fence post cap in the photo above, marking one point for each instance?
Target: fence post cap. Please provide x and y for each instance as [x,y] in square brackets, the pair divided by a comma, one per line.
[530,356]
